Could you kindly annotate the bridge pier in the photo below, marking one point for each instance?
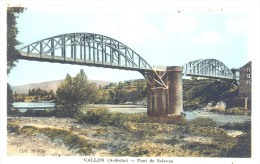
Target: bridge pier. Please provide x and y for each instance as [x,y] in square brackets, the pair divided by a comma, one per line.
[162,101]
[175,90]
[156,102]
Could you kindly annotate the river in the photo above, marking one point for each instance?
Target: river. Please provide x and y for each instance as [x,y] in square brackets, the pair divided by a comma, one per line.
[130,109]
[22,105]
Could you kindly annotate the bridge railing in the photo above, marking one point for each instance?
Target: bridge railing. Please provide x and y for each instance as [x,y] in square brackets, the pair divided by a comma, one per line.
[87,49]
[210,68]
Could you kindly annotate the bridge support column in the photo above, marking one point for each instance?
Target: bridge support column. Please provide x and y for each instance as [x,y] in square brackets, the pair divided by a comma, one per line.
[166,101]
[175,90]
[157,99]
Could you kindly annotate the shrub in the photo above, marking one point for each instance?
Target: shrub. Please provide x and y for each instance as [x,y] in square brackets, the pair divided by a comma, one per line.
[38,113]
[174,140]
[203,122]
[178,120]
[114,119]
[29,130]
[33,113]
[245,126]
[13,112]
[235,110]
[103,117]
[242,148]
[94,116]
[205,149]
[13,128]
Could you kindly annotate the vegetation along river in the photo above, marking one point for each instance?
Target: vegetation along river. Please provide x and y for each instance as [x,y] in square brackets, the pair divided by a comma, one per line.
[130,109]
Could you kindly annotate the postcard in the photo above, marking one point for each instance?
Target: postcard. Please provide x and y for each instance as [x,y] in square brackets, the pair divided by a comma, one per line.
[130,82]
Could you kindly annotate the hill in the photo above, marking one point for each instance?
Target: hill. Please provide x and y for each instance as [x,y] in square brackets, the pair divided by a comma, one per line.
[199,92]
[48,86]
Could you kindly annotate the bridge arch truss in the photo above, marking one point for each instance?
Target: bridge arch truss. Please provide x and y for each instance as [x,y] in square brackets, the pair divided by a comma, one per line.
[209,68]
[85,49]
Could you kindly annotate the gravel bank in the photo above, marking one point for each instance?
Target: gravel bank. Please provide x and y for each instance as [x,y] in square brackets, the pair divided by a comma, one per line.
[41,145]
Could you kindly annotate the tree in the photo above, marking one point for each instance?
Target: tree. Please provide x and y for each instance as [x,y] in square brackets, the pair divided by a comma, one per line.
[120,85]
[29,92]
[15,95]
[112,85]
[75,92]
[104,97]
[12,32]
[112,94]
[33,92]
[10,98]
[140,89]
[51,95]
[63,97]
[129,83]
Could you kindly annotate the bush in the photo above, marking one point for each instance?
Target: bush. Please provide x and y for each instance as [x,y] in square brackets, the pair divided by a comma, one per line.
[13,128]
[174,140]
[13,112]
[38,113]
[65,111]
[242,148]
[191,107]
[202,122]
[235,110]
[103,117]
[245,126]
[115,119]
[205,149]
[32,113]
[178,120]
[94,116]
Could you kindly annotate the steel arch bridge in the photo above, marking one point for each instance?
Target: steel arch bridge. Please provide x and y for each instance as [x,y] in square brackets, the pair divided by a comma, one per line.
[209,68]
[91,50]
[101,51]
[85,49]
[164,84]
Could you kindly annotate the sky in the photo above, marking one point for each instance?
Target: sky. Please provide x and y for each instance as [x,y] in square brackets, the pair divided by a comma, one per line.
[166,33]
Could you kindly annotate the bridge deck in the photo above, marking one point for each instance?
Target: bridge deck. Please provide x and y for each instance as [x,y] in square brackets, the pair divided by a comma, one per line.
[211,77]
[77,61]
[85,49]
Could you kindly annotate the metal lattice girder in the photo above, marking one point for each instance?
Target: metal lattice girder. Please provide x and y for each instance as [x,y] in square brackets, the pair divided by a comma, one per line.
[85,49]
[208,68]
[156,78]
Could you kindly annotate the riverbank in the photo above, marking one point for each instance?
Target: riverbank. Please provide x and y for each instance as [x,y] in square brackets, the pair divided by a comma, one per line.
[26,138]
[131,135]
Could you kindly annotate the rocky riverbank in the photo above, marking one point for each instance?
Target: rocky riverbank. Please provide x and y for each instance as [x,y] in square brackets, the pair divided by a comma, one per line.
[50,136]
[37,144]
[22,143]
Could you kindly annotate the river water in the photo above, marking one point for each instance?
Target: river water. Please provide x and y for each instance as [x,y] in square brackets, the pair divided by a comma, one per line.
[23,105]
[130,109]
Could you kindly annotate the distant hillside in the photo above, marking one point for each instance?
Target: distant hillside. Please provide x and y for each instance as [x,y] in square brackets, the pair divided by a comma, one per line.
[206,90]
[49,85]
